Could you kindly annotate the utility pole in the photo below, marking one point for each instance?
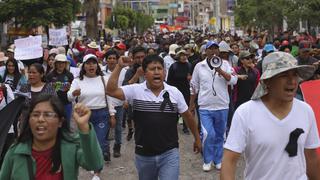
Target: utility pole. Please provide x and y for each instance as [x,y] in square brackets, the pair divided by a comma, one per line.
[192,11]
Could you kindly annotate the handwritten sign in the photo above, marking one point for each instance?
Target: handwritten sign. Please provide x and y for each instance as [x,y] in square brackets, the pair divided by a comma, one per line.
[310,91]
[28,48]
[58,37]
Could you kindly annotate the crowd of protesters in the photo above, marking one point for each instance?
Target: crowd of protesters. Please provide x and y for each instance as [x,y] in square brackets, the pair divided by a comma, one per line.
[148,84]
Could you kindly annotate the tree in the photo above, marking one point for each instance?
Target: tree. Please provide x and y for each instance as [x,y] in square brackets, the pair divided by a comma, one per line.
[266,14]
[305,10]
[35,13]
[118,22]
[125,18]
[144,22]
[91,7]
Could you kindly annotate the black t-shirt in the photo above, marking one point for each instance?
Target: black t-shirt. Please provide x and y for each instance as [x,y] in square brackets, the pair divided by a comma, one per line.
[194,60]
[61,83]
[245,88]
[178,74]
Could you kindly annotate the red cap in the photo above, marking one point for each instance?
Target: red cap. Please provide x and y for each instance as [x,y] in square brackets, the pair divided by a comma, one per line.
[99,54]
[285,43]
[121,46]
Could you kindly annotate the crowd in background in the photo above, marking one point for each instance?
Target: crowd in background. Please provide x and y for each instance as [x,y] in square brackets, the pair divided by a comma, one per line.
[79,73]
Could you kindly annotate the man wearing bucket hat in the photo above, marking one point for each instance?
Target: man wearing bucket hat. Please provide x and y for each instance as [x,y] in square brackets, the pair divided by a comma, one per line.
[210,80]
[276,132]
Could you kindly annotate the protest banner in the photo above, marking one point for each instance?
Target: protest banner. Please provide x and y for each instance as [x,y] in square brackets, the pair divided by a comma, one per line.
[75,71]
[58,37]
[28,48]
[311,95]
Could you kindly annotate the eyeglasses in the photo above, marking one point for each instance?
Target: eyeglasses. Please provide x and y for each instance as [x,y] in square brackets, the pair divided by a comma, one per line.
[45,115]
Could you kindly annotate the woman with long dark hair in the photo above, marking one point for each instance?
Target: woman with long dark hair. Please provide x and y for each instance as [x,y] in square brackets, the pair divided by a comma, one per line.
[46,148]
[37,82]
[12,75]
[89,89]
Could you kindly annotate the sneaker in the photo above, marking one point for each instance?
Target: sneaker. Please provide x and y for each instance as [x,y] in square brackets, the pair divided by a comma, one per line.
[206,167]
[95,177]
[116,150]
[218,166]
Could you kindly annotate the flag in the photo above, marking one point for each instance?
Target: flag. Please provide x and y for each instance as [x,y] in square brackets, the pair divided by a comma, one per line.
[9,115]
[310,91]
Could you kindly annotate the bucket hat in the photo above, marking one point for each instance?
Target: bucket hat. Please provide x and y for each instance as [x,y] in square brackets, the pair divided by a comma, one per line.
[61,58]
[93,45]
[276,63]
[172,49]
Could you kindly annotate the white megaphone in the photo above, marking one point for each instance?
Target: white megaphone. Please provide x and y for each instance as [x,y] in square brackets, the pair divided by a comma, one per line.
[215,62]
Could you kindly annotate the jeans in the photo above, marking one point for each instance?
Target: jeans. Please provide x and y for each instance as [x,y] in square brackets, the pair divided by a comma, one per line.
[163,167]
[68,110]
[213,126]
[100,121]
[118,128]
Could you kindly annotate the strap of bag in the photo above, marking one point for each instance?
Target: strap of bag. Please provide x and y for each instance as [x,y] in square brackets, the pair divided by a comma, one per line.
[31,175]
[104,85]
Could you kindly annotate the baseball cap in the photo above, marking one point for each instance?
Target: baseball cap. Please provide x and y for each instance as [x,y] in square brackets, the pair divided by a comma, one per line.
[121,46]
[89,56]
[211,43]
[269,48]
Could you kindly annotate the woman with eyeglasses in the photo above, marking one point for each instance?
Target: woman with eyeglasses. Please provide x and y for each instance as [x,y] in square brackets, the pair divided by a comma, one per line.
[47,149]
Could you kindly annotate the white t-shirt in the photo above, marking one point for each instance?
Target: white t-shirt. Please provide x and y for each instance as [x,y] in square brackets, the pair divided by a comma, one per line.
[92,93]
[263,139]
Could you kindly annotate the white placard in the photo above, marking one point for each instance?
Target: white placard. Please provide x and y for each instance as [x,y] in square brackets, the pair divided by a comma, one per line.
[58,37]
[28,48]
[75,71]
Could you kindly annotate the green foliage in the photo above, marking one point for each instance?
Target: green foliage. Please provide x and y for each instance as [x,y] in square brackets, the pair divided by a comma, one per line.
[269,13]
[261,14]
[127,18]
[34,13]
[308,10]
[143,22]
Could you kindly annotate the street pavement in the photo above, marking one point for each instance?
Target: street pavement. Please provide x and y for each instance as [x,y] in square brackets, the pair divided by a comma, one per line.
[123,168]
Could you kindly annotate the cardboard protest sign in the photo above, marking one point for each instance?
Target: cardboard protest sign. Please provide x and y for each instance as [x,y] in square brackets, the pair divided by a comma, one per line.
[28,48]
[311,94]
[58,37]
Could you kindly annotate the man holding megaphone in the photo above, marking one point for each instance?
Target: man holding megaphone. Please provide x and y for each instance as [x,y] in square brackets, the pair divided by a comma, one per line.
[210,81]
